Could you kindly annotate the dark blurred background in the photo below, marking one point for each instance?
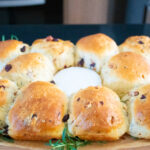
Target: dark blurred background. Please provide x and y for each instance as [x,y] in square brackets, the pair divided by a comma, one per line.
[32,19]
[74,11]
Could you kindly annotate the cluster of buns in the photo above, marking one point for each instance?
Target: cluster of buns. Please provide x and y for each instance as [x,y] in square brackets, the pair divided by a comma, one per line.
[34,108]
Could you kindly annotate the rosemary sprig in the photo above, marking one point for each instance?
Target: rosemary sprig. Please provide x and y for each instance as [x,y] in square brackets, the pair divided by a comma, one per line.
[14,37]
[5,137]
[3,37]
[67,142]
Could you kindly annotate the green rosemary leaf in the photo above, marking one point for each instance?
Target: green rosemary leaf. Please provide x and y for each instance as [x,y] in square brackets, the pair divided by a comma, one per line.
[14,37]
[7,139]
[57,143]
[67,142]
[1,131]
[64,135]
[3,37]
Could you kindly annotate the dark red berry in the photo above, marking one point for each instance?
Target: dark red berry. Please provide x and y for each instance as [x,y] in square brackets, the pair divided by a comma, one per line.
[33,116]
[78,99]
[55,39]
[140,42]
[23,49]
[143,97]
[92,65]
[8,67]
[52,82]
[101,102]
[65,118]
[81,62]
[2,86]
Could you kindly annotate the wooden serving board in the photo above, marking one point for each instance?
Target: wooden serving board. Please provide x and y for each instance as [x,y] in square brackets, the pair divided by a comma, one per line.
[126,143]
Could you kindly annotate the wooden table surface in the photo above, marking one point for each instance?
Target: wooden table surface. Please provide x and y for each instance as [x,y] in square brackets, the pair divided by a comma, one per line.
[126,143]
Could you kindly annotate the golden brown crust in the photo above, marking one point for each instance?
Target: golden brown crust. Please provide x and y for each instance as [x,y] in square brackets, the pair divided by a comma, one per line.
[37,113]
[4,84]
[142,106]
[6,47]
[97,43]
[129,66]
[28,68]
[8,91]
[95,112]
[3,94]
[139,44]
[23,62]
[54,47]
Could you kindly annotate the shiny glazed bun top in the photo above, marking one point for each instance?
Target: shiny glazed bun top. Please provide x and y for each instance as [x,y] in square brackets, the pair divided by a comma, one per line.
[137,44]
[96,113]
[125,71]
[94,50]
[10,49]
[28,68]
[138,101]
[59,51]
[8,92]
[38,113]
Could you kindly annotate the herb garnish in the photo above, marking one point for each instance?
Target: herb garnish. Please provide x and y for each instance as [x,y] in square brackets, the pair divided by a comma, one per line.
[12,37]
[67,142]
[3,37]
[5,137]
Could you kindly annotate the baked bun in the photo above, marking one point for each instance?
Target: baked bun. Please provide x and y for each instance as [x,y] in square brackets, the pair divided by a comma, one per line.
[138,101]
[59,51]
[94,50]
[125,71]
[38,113]
[8,91]
[96,113]
[10,49]
[28,68]
[137,44]
[72,79]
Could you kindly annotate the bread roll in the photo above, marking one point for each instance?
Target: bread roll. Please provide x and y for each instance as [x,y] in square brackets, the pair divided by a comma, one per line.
[28,68]
[10,49]
[59,51]
[96,113]
[94,50]
[8,92]
[38,113]
[137,44]
[125,71]
[138,101]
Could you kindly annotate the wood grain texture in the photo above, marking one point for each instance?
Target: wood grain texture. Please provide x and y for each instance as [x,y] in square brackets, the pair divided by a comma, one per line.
[85,11]
[126,143]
